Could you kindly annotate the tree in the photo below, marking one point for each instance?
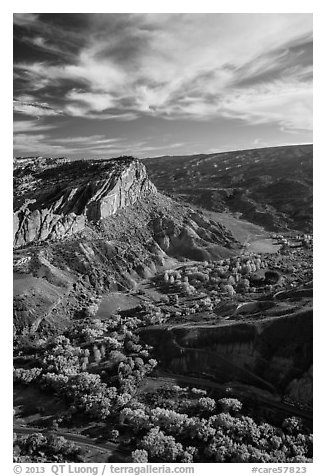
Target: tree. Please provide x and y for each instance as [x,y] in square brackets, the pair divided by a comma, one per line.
[220,448]
[207,404]
[115,356]
[241,455]
[188,454]
[292,425]
[56,381]
[161,447]
[223,420]
[243,285]
[89,393]
[139,456]
[94,329]
[231,280]
[196,428]
[115,434]
[63,358]
[123,399]
[230,405]
[136,418]
[169,420]
[229,289]
[26,376]
[40,448]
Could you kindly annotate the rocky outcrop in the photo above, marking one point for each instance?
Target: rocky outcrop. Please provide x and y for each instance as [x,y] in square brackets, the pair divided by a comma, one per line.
[39,225]
[59,199]
[195,238]
[257,353]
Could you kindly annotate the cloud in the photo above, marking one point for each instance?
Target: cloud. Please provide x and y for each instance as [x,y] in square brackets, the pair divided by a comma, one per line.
[43,144]
[96,105]
[27,142]
[88,140]
[253,67]
[35,144]
[94,101]
[31,126]
[34,108]
[288,104]
[83,110]
[25,19]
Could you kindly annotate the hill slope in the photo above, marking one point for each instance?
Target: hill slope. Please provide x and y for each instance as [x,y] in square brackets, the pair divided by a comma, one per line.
[271,187]
[81,228]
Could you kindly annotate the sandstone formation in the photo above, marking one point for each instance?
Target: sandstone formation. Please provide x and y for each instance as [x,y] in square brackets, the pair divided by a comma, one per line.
[51,208]
[257,353]
[84,227]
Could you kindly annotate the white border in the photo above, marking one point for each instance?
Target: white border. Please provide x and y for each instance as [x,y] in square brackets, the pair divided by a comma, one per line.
[231,6]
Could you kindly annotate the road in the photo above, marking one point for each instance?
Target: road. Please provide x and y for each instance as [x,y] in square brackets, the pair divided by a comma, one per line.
[108,447]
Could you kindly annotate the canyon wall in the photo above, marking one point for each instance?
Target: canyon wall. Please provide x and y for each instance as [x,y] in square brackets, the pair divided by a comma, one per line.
[272,353]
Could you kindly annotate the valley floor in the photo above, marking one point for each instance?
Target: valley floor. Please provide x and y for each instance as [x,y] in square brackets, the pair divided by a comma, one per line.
[190,349]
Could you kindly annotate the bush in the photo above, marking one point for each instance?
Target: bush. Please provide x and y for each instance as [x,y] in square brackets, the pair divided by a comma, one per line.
[139,456]
[230,404]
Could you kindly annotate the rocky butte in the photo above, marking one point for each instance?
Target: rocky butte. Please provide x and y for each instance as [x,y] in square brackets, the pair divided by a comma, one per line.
[58,199]
[84,227]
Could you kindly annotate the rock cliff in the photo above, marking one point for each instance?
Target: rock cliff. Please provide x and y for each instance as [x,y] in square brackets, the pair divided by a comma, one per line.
[55,200]
[258,353]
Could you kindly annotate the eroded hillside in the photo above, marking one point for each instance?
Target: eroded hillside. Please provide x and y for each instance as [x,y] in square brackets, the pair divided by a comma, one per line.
[84,227]
[271,187]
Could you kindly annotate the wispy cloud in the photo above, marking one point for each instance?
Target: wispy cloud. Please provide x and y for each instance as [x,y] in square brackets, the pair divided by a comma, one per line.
[25,19]
[177,67]
[35,108]
[31,126]
[99,144]
[288,104]
[35,144]
[88,140]
[256,68]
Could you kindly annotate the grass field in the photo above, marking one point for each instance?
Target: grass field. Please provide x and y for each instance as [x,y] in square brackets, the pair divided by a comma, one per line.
[113,302]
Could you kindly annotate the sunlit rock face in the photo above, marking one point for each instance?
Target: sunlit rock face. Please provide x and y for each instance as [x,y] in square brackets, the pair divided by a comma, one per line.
[55,199]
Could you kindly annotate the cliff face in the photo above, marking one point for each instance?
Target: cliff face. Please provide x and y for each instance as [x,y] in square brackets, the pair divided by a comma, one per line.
[256,353]
[53,201]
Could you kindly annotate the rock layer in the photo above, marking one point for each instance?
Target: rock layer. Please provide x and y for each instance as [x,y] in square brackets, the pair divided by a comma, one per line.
[257,353]
[58,199]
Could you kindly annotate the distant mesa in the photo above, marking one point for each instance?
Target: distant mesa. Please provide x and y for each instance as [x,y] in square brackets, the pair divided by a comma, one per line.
[271,187]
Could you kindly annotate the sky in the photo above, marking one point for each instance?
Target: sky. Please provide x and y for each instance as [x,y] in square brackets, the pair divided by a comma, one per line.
[104,85]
